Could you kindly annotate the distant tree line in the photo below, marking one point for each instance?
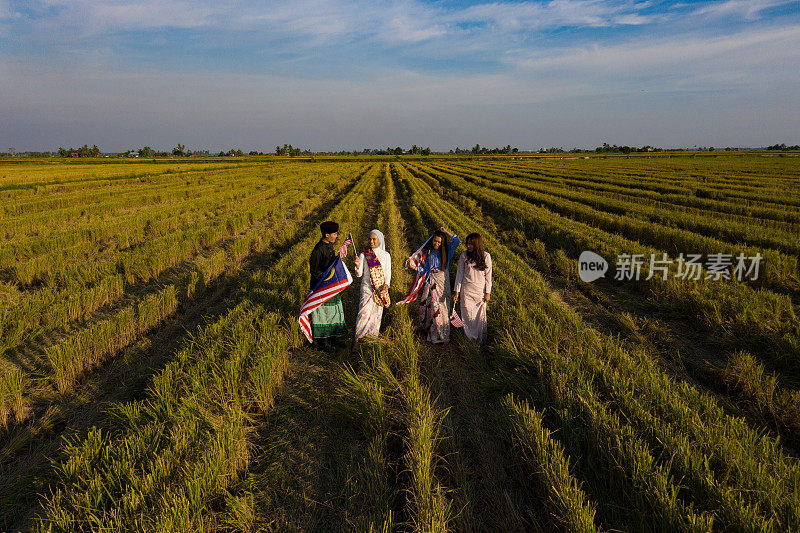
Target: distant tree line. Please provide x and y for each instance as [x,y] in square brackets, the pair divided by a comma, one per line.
[783,146]
[479,150]
[288,149]
[28,154]
[605,149]
[613,148]
[83,151]
[399,150]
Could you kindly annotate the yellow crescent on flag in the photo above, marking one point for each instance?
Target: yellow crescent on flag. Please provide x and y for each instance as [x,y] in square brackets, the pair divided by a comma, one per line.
[333,271]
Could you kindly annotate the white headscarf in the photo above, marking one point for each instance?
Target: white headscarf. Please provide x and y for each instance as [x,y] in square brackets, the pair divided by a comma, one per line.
[382,245]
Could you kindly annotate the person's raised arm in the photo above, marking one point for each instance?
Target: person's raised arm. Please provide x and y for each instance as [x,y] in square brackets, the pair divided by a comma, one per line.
[452,244]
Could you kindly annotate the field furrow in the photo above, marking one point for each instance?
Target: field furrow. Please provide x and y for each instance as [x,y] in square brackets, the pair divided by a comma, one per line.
[153,376]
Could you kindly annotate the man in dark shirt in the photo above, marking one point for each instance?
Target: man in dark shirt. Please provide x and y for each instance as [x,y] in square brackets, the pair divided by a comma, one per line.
[323,254]
[327,321]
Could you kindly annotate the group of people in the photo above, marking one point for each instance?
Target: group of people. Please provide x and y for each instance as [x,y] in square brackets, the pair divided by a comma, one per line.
[472,289]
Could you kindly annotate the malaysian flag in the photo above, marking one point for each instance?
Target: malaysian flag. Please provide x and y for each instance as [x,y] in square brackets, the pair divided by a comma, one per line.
[335,280]
[455,320]
[347,242]
[417,259]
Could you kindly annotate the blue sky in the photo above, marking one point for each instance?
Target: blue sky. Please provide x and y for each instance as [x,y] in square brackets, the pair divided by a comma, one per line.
[351,74]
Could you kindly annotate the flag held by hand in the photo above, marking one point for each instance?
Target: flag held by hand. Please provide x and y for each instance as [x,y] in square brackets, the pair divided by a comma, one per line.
[347,242]
[455,320]
[417,260]
[333,281]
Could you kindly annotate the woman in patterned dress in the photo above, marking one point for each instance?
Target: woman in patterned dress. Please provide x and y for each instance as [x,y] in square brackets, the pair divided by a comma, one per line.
[434,306]
[374,285]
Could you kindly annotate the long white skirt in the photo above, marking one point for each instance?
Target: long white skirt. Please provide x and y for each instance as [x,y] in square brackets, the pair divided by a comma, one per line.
[473,315]
[369,314]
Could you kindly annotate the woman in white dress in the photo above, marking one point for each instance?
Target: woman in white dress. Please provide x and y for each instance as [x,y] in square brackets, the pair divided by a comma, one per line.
[374,286]
[473,287]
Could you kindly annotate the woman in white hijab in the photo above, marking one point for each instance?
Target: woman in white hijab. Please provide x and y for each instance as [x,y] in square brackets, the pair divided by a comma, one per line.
[374,287]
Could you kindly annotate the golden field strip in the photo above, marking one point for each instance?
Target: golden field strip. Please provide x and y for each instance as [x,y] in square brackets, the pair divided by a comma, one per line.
[153,376]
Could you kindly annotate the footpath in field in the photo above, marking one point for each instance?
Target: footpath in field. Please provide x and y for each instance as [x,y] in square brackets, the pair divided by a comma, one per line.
[351,442]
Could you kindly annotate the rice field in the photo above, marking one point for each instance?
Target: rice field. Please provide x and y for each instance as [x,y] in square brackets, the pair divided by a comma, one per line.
[153,375]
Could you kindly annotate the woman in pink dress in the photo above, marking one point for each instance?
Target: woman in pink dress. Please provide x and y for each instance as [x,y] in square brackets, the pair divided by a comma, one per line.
[473,287]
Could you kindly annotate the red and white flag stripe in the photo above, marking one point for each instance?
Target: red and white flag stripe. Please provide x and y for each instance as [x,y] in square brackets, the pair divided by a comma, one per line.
[305,327]
[343,248]
[417,259]
[418,281]
[316,298]
[455,320]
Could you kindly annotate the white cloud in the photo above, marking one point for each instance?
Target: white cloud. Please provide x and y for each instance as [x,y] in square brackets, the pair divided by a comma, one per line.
[304,17]
[409,21]
[148,14]
[515,16]
[748,9]
[768,48]
[634,19]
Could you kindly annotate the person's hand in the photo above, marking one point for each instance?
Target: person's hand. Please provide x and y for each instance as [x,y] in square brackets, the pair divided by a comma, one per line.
[409,265]
[358,262]
[385,290]
[455,297]
[445,231]
[486,298]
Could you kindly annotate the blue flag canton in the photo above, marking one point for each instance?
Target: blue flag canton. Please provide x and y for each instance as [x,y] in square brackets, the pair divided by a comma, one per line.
[336,273]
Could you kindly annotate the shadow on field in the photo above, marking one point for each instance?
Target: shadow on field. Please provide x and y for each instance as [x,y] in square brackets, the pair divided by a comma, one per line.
[306,456]
[488,490]
[26,451]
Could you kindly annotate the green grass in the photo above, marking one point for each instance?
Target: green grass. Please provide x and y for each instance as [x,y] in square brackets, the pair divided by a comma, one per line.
[242,426]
